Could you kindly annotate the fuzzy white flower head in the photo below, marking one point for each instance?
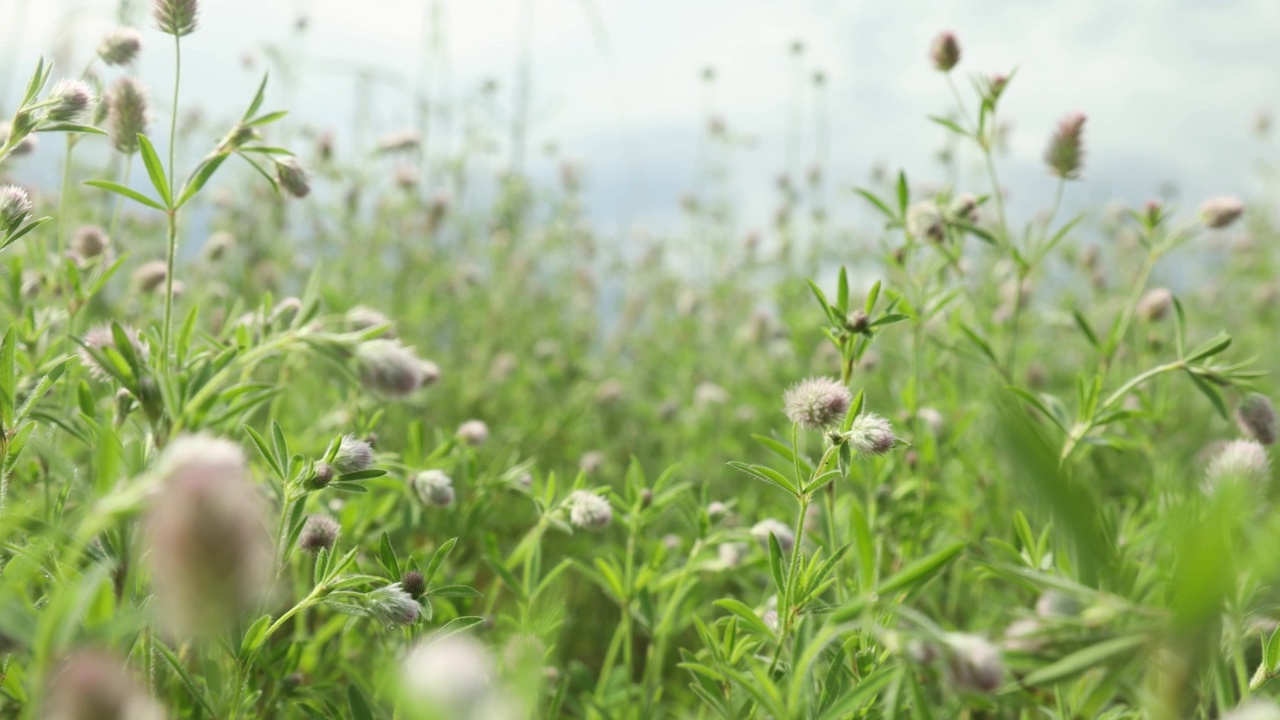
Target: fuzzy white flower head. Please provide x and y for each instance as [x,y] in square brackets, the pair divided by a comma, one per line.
[392,606]
[731,555]
[120,46]
[816,403]
[473,432]
[434,488]
[1256,416]
[1155,304]
[870,434]
[770,526]
[15,207]
[92,684]
[362,317]
[1238,461]
[1221,212]
[973,663]
[925,220]
[452,676]
[391,369]
[99,337]
[354,455]
[589,511]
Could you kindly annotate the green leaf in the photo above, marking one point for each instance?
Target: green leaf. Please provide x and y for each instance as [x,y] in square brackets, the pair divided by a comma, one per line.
[1082,660]
[921,571]
[879,204]
[776,564]
[455,626]
[71,128]
[155,170]
[359,708]
[265,451]
[126,192]
[766,474]
[200,177]
[748,616]
[904,194]
[950,125]
[254,636]
[387,557]
[437,559]
[1083,324]
[1210,392]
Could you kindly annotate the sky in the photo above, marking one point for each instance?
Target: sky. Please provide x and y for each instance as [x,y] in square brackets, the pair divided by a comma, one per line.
[1170,87]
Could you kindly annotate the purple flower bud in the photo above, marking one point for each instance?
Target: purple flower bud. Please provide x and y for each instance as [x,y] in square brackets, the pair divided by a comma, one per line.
[945,51]
[1065,155]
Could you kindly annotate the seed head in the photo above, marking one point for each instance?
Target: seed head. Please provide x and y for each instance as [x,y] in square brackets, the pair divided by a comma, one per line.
[73,99]
[1256,417]
[391,369]
[434,488]
[292,177]
[1065,155]
[589,511]
[361,317]
[413,583]
[945,51]
[870,434]
[1220,212]
[771,526]
[101,336]
[89,241]
[120,46]
[973,663]
[150,276]
[92,685]
[211,551]
[15,208]
[816,403]
[176,17]
[391,605]
[320,532]
[1155,304]
[354,455]
[1239,461]
[128,113]
[473,432]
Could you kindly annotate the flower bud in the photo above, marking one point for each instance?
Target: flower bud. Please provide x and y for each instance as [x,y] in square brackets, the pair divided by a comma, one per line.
[92,685]
[1220,212]
[292,177]
[128,114]
[176,17]
[434,488]
[89,242]
[945,51]
[15,208]
[72,100]
[320,532]
[120,46]
[362,318]
[391,369]
[354,455]
[150,276]
[1155,304]
[1256,417]
[857,321]
[591,462]
[1065,155]
[924,220]
[321,476]
[25,146]
[770,526]
[473,432]
[413,583]
[589,511]
[211,550]
[816,403]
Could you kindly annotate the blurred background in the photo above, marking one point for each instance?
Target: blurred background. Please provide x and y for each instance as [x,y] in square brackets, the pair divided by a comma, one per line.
[1174,89]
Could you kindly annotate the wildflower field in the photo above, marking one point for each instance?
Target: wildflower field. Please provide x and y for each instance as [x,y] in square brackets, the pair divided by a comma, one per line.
[289,431]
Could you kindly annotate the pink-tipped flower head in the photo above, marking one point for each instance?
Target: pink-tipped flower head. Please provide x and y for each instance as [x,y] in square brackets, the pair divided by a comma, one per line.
[92,685]
[211,550]
[72,100]
[100,337]
[473,432]
[1065,154]
[320,532]
[870,434]
[816,403]
[354,455]
[176,17]
[128,113]
[391,369]
[15,208]
[120,46]
[945,51]
[1221,212]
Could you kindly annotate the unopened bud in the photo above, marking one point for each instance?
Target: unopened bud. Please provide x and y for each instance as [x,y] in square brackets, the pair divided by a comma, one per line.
[945,51]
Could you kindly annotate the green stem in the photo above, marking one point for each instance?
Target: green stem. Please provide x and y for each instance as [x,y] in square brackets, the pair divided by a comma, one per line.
[172,248]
